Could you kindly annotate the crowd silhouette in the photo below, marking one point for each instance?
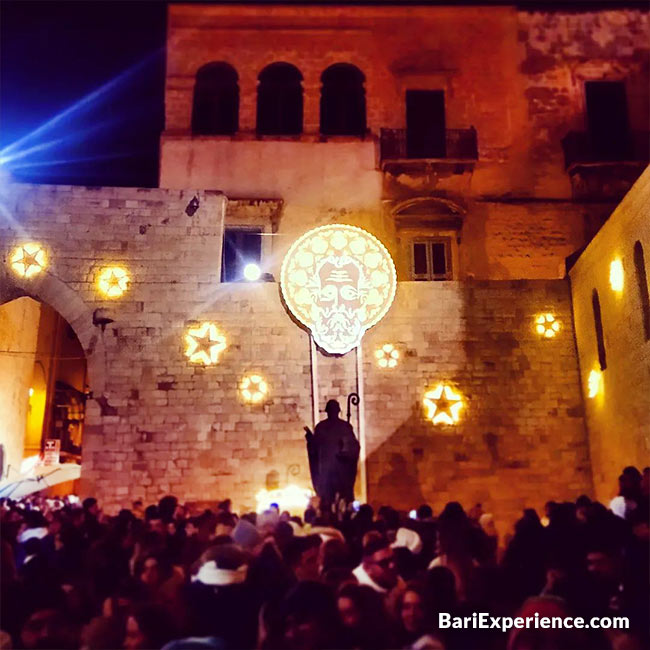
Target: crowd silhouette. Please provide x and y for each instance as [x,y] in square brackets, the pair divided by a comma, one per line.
[166,577]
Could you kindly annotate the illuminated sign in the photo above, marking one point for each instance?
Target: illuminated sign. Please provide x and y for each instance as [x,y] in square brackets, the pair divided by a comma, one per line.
[113,281]
[204,344]
[443,405]
[27,260]
[338,281]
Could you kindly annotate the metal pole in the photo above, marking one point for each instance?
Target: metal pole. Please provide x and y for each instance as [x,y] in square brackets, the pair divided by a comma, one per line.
[361,426]
[315,398]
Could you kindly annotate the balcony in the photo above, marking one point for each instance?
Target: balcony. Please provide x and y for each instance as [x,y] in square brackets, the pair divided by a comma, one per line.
[580,148]
[397,147]
[604,169]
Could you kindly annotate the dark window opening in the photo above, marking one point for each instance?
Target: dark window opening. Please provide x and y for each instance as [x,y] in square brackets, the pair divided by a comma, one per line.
[343,101]
[216,100]
[431,259]
[607,119]
[598,322]
[425,124]
[279,100]
[642,280]
[240,247]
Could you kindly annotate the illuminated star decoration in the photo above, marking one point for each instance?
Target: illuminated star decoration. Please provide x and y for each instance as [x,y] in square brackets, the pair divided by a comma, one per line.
[387,356]
[113,281]
[28,260]
[253,388]
[547,326]
[443,405]
[204,344]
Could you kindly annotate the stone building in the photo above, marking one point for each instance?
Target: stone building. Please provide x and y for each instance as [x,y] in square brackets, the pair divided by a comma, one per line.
[482,145]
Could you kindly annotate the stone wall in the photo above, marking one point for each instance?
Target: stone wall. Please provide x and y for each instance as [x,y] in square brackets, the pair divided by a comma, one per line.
[618,417]
[558,53]
[160,424]
[18,335]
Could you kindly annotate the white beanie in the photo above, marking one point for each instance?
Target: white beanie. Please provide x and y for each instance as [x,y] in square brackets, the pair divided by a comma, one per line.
[408,539]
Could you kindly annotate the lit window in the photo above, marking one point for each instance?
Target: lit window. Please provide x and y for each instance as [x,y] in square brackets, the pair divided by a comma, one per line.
[431,259]
[241,248]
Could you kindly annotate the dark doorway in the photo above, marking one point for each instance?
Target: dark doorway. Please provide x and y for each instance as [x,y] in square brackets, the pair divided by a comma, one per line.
[607,120]
[425,124]
[240,247]
[279,100]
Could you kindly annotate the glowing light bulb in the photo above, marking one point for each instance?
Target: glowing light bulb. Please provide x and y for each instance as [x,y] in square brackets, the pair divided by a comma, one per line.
[594,383]
[252,272]
[616,275]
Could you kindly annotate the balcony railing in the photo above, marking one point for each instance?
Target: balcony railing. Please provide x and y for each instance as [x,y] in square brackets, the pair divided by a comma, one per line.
[580,147]
[460,144]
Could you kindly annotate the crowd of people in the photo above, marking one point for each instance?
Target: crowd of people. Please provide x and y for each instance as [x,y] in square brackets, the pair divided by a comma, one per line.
[166,577]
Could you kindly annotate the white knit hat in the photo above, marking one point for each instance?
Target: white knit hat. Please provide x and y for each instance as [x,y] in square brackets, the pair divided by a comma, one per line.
[407,538]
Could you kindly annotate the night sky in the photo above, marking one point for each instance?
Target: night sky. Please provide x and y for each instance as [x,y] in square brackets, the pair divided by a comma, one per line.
[54,54]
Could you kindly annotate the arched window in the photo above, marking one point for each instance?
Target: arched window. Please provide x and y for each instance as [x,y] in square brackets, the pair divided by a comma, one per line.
[216,100]
[342,101]
[598,323]
[642,280]
[279,100]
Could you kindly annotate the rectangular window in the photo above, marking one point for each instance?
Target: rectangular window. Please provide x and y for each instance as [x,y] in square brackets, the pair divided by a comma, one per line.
[241,246]
[607,119]
[431,259]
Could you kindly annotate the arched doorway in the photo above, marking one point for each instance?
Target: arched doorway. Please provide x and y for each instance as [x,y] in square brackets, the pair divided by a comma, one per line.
[43,388]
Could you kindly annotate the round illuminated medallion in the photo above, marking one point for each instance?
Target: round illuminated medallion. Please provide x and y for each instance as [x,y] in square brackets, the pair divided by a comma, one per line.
[338,281]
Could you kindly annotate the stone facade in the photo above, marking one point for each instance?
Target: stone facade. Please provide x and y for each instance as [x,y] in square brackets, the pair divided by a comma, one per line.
[511,207]
[160,424]
[618,417]
[516,77]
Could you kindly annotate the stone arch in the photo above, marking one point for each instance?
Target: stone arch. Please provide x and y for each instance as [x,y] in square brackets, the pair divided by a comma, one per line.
[56,293]
[429,210]
[428,205]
